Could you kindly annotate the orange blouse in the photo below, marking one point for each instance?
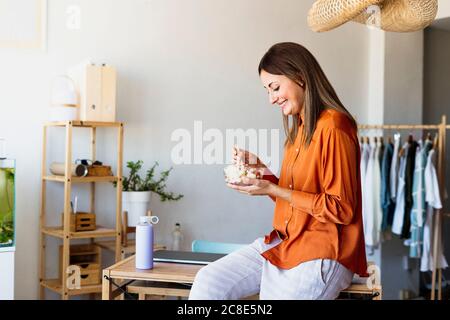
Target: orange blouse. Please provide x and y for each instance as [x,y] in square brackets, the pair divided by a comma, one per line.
[324,219]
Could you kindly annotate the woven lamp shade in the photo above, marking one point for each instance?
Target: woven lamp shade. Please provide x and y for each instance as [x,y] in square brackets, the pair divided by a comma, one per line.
[329,14]
[404,15]
[396,15]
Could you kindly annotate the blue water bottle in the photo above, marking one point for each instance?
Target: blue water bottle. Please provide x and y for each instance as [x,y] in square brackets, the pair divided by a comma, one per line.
[144,242]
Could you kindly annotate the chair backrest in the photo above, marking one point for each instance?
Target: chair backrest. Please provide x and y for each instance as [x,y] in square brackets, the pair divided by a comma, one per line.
[215,247]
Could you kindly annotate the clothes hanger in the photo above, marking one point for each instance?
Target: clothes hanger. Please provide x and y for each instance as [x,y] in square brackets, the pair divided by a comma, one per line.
[401,152]
[389,136]
[436,140]
[427,139]
[410,138]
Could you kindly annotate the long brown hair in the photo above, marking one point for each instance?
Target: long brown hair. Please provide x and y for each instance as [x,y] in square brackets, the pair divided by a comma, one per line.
[298,64]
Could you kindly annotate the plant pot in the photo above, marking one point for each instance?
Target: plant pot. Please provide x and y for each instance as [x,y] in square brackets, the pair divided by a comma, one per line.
[136,203]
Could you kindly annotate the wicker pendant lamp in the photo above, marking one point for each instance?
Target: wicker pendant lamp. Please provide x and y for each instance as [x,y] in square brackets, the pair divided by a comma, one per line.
[395,15]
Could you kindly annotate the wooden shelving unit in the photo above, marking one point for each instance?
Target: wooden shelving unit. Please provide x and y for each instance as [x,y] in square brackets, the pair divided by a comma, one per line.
[99,232]
[63,232]
[81,179]
[55,286]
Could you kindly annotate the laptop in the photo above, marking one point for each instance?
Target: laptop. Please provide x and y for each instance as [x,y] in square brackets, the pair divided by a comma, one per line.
[187,257]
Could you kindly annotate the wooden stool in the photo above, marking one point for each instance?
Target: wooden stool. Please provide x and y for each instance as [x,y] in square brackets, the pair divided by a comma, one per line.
[363,290]
[162,289]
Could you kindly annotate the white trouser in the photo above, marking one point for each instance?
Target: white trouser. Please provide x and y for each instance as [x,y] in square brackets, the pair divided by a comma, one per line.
[245,272]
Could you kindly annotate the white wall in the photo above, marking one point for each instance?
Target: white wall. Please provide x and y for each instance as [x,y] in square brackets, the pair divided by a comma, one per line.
[377,39]
[404,77]
[443,9]
[178,61]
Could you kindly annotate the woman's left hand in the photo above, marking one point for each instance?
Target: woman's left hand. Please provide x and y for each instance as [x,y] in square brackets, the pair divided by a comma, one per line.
[256,187]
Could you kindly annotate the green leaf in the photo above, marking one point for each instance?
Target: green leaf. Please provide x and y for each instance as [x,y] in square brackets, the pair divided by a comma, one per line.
[134,182]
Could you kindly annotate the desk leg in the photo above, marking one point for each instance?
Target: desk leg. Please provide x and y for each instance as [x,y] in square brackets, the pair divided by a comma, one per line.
[120,296]
[106,285]
[380,294]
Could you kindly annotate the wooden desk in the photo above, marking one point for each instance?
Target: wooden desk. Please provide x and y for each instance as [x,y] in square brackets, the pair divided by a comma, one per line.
[163,274]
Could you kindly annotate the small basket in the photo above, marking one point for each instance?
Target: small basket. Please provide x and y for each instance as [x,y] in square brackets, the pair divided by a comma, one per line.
[99,170]
[81,221]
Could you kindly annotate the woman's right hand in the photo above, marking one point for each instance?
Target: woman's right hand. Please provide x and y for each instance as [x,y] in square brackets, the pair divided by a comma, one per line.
[247,158]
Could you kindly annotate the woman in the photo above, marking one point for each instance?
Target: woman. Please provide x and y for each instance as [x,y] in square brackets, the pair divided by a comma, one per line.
[317,243]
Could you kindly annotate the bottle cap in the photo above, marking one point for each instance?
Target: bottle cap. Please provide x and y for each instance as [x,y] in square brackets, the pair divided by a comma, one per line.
[149,219]
[154,219]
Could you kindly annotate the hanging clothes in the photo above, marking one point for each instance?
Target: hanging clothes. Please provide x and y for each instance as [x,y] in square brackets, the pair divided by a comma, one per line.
[365,153]
[433,201]
[371,198]
[380,152]
[378,212]
[409,177]
[395,167]
[418,211]
[387,205]
[399,211]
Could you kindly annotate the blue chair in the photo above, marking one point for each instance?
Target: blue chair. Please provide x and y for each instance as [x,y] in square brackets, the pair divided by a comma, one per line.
[215,247]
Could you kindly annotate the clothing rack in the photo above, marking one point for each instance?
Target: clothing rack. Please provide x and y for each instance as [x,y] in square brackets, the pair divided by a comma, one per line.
[441,129]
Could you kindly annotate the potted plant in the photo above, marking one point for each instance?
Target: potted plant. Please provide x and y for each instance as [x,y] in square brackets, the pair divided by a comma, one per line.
[137,191]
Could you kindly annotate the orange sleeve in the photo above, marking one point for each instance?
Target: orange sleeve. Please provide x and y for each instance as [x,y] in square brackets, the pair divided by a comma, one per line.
[272,178]
[337,202]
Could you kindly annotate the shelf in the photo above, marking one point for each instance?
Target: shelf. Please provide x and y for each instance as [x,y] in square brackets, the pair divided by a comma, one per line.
[100,232]
[55,286]
[84,253]
[84,124]
[82,179]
